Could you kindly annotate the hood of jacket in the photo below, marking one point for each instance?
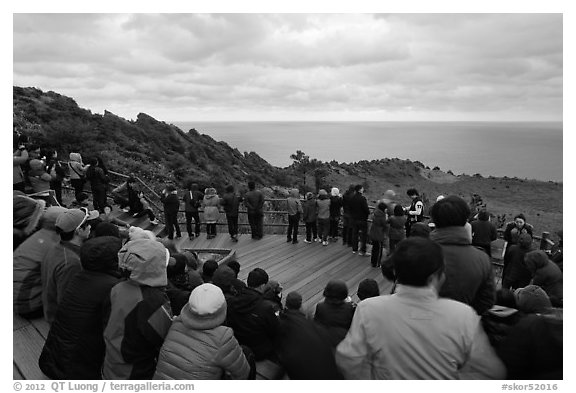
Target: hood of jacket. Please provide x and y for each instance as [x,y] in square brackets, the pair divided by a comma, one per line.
[100,254]
[146,260]
[77,157]
[451,235]
[379,213]
[535,260]
[36,167]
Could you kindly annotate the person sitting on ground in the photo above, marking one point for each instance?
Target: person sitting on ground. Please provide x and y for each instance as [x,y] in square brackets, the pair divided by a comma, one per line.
[303,347]
[368,288]
[237,283]
[194,276]
[74,348]
[208,269]
[515,274]
[138,311]
[483,232]
[26,216]
[253,320]
[469,273]
[379,234]
[533,347]
[414,333]
[107,229]
[397,231]
[546,274]
[62,262]
[516,228]
[224,278]
[27,260]
[198,346]
[335,312]
[178,288]
[420,229]
[142,207]
[273,294]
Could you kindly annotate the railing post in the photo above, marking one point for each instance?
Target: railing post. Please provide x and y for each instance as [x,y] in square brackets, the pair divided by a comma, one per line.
[545,241]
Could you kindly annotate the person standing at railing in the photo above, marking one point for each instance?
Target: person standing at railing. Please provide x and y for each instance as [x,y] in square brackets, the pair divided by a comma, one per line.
[379,234]
[335,212]
[211,211]
[192,201]
[415,211]
[77,175]
[310,215]
[254,202]
[294,213]
[346,219]
[169,198]
[97,175]
[323,203]
[359,212]
[57,174]
[231,202]
[516,228]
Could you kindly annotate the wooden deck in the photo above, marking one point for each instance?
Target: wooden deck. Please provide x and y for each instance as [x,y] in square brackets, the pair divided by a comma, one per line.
[301,267]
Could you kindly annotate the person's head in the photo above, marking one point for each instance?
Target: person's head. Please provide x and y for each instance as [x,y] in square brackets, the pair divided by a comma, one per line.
[368,288]
[532,299]
[520,220]
[398,210]
[176,265]
[93,161]
[257,279]
[100,254]
[418,262]
[170,188]
[295,193]
[420,229]
[251,185]
[107,209]
[525,241]
[483,215]
[75,223]
[206,308]
[223,278]
[34,151]
[382,206]
[208,269]
[235,266]
[450,211]
[146,262]
[272,290]
[106,229]
[412,193]
[309,196]
[230,188]
[293,301]
[335,291]
[191,259]
[27,213]
[335,192]
[359,189]
[322,194]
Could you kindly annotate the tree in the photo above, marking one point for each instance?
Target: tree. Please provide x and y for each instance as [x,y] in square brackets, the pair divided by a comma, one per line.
[301,163]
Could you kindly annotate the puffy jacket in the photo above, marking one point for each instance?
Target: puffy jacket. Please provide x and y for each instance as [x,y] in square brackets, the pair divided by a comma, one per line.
[323,208]
[515,274]
[310,210]
[77,168]
[546,274]
[379,228]
[397,230]
[191,354]
[469,274]
[253,321]
[27,260]
[211,211]
[74,348]
[39,178]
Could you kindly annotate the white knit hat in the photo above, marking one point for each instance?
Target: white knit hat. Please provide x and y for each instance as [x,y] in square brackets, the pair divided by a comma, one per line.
[206,308]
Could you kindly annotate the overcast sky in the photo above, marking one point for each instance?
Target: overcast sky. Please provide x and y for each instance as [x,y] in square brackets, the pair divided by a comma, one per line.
[198,67]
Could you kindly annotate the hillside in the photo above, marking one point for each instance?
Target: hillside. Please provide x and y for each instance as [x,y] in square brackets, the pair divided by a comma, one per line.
[159,153]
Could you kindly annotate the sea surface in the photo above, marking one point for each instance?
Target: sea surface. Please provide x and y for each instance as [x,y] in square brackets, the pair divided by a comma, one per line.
[527,150]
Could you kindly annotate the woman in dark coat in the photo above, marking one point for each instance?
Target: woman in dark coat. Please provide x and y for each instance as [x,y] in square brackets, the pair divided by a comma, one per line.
[75,346]
[97,174]
[379,233]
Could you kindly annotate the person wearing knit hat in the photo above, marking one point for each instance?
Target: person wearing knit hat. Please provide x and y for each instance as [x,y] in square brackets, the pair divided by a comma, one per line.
[547,275]
[198,347]
[27,213]
[335,213]
[335,312]
[62,262]
[27,261]
[532,299]
[137,305]
[74,348]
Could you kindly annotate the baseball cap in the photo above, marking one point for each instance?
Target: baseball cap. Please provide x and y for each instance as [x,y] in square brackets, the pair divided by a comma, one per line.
[72,219]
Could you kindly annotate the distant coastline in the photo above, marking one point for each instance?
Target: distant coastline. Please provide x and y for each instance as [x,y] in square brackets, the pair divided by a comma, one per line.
[531,150]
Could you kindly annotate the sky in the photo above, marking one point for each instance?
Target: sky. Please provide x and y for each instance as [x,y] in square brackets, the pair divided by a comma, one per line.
[306,66]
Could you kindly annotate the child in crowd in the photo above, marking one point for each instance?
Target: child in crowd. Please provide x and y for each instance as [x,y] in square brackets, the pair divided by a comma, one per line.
[397,230]
[309,215]
[323,203]
[294,212]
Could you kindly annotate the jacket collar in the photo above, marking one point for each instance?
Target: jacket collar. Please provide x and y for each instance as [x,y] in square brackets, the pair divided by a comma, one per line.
[450,235]
[427,293]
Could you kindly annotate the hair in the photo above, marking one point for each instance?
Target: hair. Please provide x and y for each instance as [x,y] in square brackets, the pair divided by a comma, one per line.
[251,185]
[449,212]
[416,259]
[108,205]
[178,267]
[522,216]
[235,266]
[193,186]
[398,210]
[412,191]
[230,188]
[257,277]
[368,288]
[382,206]
[483,215]
[358,187]
[209,267]
[191,259]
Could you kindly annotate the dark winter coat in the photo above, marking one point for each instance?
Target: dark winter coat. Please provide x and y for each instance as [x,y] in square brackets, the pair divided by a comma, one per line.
[512,233]
[397,229]
[254,322]
[230,202]
[75,346]
[335,206]
[254,202]
[483,232]
[171,204]
[469,273]
[515,274]
[336,317]
[310,210]
[192,200]
[97,177]
[379,228]
[359,207]
[547,275]
[304,349]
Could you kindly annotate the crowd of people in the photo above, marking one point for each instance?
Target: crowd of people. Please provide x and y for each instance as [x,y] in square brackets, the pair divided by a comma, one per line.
[124,304]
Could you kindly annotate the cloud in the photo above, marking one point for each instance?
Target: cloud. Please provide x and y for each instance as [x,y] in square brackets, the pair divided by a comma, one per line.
[505,65]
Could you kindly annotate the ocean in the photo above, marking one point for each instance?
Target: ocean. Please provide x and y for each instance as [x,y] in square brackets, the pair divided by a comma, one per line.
[527,150]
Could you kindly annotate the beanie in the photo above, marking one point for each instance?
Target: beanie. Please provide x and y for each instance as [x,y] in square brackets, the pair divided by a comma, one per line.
[336,289]
[206,308]
[532,299]
[293,301]
[27,213]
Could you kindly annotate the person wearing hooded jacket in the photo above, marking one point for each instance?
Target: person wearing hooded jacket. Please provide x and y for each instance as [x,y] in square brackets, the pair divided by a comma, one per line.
[546,274]
[515,274]
[39,178]
[379,233]
[77,174]
[74,348]
[198,346]
[27,260]
[138,312]
[211,203]
[294,208]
